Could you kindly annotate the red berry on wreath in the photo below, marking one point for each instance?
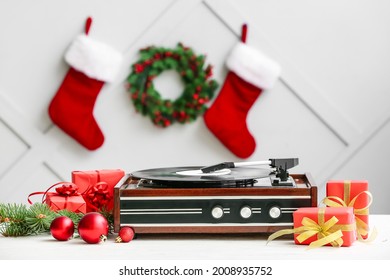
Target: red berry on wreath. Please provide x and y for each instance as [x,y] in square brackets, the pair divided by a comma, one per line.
[62,228]
[93,228]
[126,234]
[139,68]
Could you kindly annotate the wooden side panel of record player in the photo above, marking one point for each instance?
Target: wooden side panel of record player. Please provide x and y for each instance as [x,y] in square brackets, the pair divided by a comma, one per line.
[127,188]
[308,181]
[116,211]
[118,189]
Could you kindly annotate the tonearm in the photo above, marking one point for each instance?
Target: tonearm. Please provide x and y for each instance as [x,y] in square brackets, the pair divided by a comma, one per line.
[280,176]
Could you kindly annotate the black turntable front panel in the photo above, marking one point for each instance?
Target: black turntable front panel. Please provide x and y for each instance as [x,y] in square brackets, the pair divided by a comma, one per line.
[185,211]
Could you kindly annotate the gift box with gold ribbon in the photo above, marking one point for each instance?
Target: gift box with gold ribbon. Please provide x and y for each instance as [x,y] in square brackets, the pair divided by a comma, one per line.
[322,226]
[352,194]
[97,187]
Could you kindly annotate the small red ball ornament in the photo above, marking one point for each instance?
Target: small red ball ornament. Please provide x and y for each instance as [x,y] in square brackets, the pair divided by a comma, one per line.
[93,228]
[126,234]
[62,228]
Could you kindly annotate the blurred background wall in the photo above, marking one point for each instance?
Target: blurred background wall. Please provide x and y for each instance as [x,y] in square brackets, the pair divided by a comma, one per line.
[330,107]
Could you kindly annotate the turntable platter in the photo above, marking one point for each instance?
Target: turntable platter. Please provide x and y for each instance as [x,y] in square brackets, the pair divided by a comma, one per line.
[191,174]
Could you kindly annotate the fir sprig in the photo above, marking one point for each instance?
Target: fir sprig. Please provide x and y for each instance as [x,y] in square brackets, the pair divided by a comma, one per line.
[12,220]
[20,220]
[110,219]
[39,218]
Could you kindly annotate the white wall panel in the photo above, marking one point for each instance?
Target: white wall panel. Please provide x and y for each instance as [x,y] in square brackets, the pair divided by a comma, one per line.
[11,148]
[340,46]
[285,127]
[371,163]
[40,180]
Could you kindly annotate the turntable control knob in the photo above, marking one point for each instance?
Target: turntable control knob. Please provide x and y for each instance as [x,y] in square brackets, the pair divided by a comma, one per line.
[275,212]
[217,212]
[246,212]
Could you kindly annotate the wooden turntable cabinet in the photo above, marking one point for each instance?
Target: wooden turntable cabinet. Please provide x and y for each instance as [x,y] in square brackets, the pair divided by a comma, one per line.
[244,201]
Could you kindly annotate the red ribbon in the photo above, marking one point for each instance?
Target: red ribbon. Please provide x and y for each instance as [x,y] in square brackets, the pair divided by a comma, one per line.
[98,195]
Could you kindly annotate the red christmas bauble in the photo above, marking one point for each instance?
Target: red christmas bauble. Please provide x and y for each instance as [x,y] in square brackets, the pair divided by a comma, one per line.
[93,228]
[62,228]
[126,234]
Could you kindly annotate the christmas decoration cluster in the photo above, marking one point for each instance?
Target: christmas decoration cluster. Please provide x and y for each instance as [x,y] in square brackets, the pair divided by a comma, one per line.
[81,208]
[93,227]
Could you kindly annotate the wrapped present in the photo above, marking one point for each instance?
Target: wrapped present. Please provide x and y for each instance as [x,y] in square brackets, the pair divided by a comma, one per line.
[353,194]
[97,187]
[322,226]
[66,197]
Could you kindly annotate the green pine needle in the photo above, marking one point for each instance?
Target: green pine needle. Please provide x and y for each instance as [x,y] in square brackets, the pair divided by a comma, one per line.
[39,218]
[12,219]
[75,217]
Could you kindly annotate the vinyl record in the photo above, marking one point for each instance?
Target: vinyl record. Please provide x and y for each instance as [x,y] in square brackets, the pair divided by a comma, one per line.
[179,174]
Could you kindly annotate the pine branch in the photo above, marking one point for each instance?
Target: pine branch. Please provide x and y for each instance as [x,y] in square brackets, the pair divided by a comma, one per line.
[110,219]
[12,220]
[39,218]
[20,220]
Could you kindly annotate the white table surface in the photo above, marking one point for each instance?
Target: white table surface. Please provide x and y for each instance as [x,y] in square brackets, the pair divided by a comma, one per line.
[194,247]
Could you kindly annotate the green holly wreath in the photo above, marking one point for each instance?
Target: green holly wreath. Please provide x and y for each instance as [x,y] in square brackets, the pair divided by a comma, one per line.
[198,90]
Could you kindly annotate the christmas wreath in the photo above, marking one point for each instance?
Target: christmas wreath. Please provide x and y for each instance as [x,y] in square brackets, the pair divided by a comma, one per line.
[198,90]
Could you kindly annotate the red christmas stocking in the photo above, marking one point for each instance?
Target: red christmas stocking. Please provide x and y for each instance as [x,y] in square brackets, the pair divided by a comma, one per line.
[92,64]
[250,72]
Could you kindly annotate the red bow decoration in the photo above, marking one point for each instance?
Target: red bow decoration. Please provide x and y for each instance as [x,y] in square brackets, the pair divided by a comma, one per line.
[67,190]
[98,195]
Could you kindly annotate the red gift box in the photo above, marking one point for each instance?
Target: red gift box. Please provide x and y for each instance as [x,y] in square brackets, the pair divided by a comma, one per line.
[66,197]
[97,187]
[324,226]
[74,203]
[353,194]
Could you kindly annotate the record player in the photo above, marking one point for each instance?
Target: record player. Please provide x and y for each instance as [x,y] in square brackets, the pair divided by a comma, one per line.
[224,198]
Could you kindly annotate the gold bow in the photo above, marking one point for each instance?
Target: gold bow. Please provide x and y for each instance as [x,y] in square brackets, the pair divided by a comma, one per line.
[327,232]
[335,201]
